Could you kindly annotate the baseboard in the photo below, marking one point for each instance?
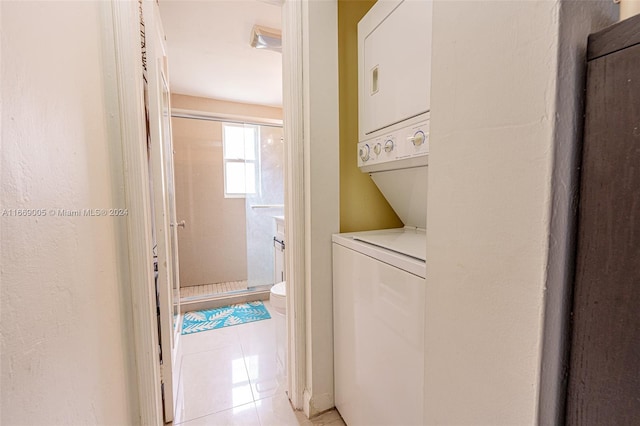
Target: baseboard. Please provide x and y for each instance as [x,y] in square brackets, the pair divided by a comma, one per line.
[219,301]
[306,403]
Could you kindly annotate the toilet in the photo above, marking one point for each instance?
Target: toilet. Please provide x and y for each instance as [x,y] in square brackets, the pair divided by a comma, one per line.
[278,299]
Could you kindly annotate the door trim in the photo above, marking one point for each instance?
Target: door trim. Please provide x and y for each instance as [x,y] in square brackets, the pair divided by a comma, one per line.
[126,34]
[163,209]
[292,68]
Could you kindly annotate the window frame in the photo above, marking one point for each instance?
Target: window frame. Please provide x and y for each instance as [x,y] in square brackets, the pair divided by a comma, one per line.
[255,162]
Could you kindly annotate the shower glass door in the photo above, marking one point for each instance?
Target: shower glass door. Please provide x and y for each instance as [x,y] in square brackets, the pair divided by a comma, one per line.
[264,203]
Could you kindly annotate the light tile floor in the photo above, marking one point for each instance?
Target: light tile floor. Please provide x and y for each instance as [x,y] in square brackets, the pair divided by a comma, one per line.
[229,376]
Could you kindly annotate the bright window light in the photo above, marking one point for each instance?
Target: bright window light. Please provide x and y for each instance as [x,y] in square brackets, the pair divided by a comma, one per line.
[240,148]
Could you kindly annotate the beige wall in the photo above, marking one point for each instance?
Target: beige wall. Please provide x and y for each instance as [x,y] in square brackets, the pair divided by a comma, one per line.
[212,247]
[506,126]
[215,106]
[493,110]
[362,206]
[67,351]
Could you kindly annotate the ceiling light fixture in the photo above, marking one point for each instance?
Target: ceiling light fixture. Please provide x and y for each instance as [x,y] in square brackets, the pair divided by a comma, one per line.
[266,38]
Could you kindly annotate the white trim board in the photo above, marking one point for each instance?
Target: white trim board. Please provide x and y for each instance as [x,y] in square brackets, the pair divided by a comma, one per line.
[126,30]
[321,192]
[204,115]
[294,198]
[310,73]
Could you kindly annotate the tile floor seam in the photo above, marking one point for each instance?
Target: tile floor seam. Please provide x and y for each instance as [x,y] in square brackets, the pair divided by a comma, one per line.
[220,411]
[227,409]
[246,369]
[179,395]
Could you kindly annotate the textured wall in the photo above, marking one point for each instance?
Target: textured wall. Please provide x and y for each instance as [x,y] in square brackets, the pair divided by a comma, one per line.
[65,341]
[362,206]
[488,218]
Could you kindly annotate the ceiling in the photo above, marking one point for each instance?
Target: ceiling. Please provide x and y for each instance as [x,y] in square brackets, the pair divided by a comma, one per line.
[209,51]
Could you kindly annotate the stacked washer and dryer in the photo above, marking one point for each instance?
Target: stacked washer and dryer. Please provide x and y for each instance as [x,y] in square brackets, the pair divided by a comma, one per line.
[379,276]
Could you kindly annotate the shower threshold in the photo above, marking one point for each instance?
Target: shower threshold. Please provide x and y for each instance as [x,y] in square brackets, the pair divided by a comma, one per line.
[211,296]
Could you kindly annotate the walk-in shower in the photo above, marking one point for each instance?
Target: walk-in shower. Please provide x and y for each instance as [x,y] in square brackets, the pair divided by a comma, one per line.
[229,179]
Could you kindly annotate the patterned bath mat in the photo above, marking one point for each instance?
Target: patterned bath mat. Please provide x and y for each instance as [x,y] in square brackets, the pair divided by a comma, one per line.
[211,319]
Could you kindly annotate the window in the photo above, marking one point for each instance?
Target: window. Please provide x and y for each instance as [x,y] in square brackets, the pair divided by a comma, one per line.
[240,156]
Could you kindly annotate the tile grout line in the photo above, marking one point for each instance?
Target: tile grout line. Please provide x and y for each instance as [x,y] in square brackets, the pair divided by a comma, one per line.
[246,369]
[218,412]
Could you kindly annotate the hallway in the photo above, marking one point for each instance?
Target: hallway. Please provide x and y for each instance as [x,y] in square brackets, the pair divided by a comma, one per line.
[228,376]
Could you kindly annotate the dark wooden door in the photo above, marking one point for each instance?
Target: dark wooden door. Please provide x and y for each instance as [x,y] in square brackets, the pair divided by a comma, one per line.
[604,371]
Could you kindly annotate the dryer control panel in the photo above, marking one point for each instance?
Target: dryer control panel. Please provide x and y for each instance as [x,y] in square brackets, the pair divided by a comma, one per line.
[403,143]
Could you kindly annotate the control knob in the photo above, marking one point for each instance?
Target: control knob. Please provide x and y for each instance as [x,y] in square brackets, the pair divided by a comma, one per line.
[377,148]
[388,145]
[364,152]
[418,138]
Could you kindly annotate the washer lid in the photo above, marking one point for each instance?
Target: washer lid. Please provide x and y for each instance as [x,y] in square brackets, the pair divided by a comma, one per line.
[411,242]
[390,246]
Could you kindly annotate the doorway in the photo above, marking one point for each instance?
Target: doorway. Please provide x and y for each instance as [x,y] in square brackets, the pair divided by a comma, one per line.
[319,93]
[228,168]
[230,192]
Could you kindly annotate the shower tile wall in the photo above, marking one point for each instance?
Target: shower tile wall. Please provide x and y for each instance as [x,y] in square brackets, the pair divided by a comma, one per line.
[261,226]
[212,246]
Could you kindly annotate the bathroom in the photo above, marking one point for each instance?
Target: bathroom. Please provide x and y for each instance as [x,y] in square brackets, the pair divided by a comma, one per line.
[230,193]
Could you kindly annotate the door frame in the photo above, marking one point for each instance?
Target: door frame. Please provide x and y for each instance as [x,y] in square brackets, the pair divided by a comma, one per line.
[294,205]
[164,209]
[300,169]
[126,34]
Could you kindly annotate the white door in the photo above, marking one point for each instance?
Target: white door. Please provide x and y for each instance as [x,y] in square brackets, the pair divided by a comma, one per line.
[165,222]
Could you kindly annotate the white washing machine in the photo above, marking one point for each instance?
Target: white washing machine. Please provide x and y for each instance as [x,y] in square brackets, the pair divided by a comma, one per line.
[379,299]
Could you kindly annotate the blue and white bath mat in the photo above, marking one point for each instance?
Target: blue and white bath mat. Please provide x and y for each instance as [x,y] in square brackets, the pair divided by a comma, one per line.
[211,319]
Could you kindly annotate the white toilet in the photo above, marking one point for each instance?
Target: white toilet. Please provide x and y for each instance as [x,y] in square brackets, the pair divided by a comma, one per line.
[278,299]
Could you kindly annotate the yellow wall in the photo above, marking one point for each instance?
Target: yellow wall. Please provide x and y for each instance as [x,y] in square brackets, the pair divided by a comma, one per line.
[362,206]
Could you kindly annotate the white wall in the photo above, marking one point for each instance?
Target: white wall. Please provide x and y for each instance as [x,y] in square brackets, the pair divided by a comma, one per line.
[493,110]
[322,194]
[506,134]
[65,346]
